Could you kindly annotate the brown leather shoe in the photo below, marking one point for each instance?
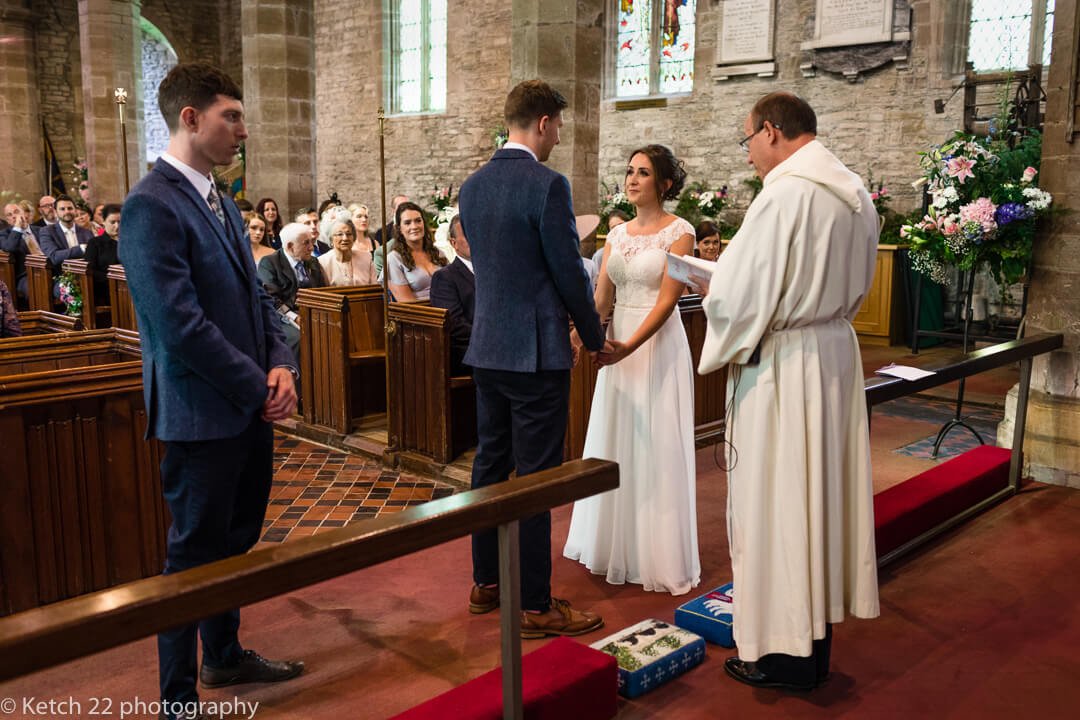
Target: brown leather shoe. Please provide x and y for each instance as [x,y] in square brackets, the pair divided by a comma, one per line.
[483,599]
[561,619]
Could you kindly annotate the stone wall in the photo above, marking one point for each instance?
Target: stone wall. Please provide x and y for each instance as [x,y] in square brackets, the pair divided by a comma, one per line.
[423,150]
[59,70]
[878,122]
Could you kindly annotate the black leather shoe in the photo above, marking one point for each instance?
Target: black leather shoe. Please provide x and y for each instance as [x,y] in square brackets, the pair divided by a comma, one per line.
[747,673]
[251,668]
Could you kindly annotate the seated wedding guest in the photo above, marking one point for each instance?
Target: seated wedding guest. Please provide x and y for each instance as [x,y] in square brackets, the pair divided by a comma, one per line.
[97,222]
[284,272]
[586,226]
[18,241]
[307,216]
[390,231]
[268,208]
[332,201]
[9,319]
[256,225]
[414,257]
[453,289]
[614,219]
[102,251]
[244,206]
[344,265]
[708,241]
[361,220]
[64,240]
[83,217]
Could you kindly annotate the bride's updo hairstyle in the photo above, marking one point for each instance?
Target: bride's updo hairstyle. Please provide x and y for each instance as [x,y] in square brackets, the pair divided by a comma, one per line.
[665,167]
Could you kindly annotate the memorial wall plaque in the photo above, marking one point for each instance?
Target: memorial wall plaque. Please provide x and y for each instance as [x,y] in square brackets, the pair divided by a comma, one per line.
[746,38]
[747,33]
[839,23]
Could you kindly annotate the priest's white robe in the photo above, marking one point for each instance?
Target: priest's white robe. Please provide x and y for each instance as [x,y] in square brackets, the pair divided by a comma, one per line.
[800,499]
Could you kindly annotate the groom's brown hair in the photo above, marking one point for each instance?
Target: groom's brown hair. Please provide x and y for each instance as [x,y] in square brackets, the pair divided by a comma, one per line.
[531,100]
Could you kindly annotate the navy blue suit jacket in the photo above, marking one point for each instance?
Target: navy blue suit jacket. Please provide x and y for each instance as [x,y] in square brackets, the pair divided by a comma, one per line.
[530,281]
[209,332]
[453,288]
[53,243]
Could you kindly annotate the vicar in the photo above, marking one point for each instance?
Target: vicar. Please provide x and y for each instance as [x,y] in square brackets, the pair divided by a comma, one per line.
[800,516]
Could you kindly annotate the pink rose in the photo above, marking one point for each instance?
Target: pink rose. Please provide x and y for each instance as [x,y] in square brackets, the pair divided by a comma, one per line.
[1029,174]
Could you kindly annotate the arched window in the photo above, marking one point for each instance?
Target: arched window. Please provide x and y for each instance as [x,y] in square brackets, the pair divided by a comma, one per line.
[158,58]
[1009,34]
[415,32]
[654,47]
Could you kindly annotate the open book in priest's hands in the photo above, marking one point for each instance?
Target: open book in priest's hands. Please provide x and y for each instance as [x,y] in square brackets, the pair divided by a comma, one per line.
[691,270]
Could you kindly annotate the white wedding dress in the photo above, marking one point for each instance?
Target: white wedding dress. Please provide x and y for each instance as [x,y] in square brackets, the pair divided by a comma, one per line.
[642,417]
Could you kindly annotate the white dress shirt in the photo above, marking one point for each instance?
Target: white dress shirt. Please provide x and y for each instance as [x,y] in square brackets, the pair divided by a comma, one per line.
[201,183]
[519,146]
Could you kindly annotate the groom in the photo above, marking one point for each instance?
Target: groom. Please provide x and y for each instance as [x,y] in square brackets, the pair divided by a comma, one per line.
[530,281]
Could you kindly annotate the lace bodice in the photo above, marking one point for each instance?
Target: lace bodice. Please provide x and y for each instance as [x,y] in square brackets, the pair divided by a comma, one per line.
[637,263]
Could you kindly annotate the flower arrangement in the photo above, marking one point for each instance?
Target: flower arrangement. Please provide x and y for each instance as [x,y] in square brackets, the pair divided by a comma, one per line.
[441,198]
[983,207]
[442,231]
[70,294]
[699,202]
[80,175]
[613,198]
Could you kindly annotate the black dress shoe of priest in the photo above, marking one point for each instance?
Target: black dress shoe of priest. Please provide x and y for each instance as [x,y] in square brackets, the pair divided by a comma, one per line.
[748,673]
[252,668]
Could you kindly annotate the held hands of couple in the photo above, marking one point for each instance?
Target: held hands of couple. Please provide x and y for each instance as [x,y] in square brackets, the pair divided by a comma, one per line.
[576,347]
[613,352]
[281,398]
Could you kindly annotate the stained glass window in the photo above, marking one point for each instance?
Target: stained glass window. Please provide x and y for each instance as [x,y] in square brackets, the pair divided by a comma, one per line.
[1010,34]
[416,30]
[654,47]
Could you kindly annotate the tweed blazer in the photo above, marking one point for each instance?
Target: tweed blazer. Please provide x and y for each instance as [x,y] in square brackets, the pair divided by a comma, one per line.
[209,331]
[530,281]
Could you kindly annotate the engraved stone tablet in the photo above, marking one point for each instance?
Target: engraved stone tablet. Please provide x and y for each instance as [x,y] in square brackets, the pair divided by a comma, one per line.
[747,34]
[851,22]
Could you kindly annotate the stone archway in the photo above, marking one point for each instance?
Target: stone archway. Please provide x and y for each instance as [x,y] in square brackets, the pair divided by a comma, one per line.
[158,58]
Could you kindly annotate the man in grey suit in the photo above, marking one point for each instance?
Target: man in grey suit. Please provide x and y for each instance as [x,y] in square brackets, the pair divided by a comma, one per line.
[216,371]
[530,282]
[288,270]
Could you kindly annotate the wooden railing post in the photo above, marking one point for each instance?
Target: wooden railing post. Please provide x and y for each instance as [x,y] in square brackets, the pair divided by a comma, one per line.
[510,611]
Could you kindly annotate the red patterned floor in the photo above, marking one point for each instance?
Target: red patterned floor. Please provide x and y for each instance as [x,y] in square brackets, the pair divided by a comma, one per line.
[316,487]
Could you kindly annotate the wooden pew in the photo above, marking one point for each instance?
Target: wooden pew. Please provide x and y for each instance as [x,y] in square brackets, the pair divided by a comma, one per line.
[39,283]
[95,314]
[432,414]
[39,322]
[709,390]
[123,308]
[7,273]
[342,356]
[80,503]
[66,350]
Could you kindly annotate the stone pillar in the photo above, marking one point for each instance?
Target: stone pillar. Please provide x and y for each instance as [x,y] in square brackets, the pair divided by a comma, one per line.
[1052,437]
[109,43]
[562,43]
[279,100]
[21,164]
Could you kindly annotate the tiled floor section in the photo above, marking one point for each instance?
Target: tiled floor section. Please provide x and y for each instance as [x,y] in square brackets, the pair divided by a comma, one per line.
[319,488]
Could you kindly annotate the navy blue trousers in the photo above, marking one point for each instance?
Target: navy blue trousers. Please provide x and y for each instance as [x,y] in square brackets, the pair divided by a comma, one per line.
[217,492]
[521,423]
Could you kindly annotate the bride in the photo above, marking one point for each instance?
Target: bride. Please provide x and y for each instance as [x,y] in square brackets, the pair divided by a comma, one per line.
[643,408]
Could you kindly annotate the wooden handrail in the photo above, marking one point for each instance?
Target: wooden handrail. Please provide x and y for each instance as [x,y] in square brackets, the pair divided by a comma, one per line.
[63,631]
[958,365]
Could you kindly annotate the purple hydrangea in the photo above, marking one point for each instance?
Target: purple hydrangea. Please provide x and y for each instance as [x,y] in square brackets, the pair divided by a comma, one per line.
[1010,212]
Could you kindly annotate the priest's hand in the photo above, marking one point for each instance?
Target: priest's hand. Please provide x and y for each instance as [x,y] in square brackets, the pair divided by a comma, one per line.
[281,399]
